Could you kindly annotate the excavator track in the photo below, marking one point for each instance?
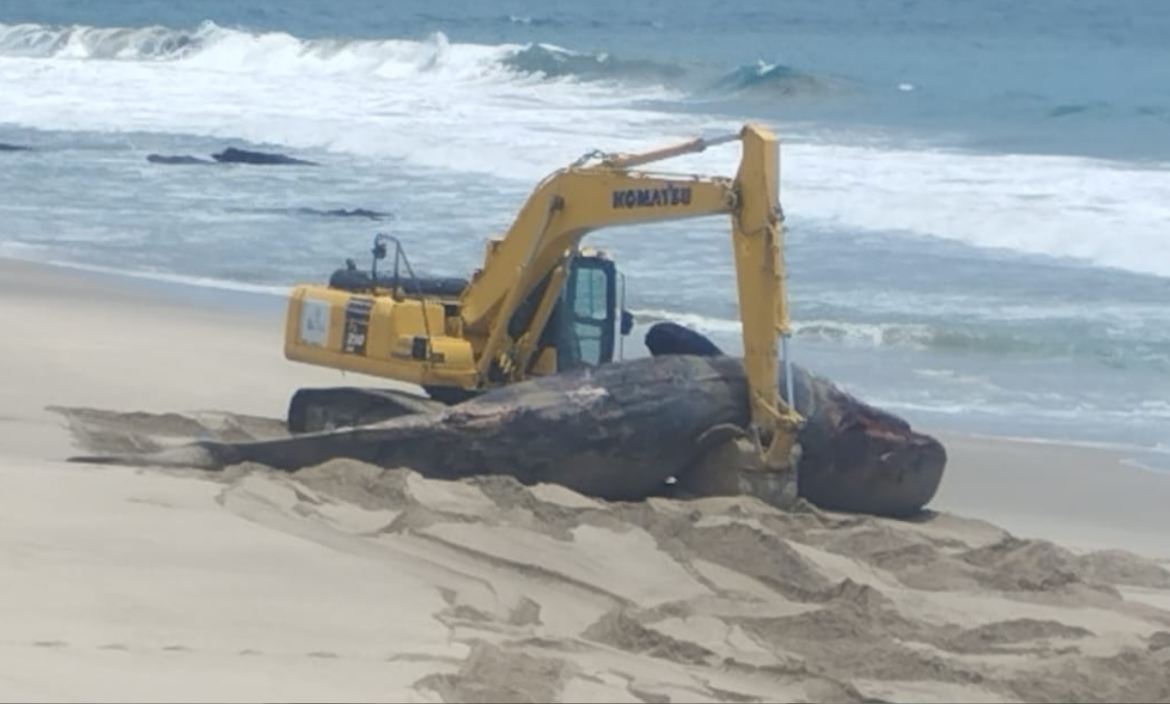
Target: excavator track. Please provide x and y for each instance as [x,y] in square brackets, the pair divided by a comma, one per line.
[314,410]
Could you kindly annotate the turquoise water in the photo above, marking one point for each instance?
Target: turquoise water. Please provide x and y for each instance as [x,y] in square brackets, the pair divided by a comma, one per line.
[977,194]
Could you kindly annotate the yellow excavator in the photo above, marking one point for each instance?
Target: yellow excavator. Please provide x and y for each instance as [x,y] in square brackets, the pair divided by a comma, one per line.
[541,303]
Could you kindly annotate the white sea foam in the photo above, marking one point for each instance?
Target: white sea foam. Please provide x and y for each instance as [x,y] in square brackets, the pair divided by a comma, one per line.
[1103,213]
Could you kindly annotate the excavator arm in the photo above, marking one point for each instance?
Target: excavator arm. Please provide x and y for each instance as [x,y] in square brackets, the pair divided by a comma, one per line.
[582,198]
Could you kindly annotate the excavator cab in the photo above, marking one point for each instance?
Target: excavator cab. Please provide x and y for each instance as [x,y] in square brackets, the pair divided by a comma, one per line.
[589,317]
[588,320]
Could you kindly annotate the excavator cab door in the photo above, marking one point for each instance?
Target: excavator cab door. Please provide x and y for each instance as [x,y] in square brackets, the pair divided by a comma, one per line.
[588,314]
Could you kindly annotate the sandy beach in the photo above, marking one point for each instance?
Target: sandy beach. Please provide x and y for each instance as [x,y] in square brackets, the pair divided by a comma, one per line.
[1041,576]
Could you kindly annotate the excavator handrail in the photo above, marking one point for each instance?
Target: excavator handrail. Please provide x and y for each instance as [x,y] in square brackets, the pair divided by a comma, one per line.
[400,252]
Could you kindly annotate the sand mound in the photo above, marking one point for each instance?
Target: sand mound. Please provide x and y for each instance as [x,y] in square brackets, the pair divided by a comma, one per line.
[620,630]
[1123,568]
[492,675]
[550,595]
[561,597]
[361,484]
[115,432]
[1015,564]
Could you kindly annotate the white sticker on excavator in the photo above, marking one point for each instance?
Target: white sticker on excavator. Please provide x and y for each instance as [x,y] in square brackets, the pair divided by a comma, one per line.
[314,322]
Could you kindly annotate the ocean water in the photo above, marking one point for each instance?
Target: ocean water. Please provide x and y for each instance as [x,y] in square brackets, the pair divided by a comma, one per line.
[977,193]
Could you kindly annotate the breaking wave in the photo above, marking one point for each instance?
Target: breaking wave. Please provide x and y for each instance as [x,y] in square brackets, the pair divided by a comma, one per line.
[769,80]
[556,62]
[534,21]
[124,43]
[221,48]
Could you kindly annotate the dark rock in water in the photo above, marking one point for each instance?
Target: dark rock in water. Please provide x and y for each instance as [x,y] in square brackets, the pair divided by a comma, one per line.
[343,213]
[231,155]
[854,457]
[5,147]
[313,212]
[161,159]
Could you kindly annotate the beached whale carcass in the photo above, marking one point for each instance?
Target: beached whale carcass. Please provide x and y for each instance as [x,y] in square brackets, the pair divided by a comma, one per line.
[619,432]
